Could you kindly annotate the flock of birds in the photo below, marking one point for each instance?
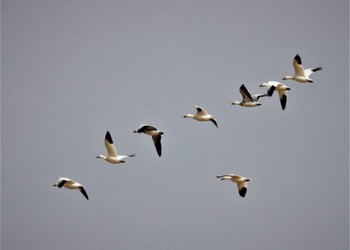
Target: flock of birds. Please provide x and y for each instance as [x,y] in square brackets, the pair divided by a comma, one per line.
[301,75]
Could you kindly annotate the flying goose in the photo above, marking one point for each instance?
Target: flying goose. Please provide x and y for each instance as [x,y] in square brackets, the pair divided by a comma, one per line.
[247,99]
[112,157]
[240,180]
[280,88]
[155,133]
[202,116]
[70,184]
[300,74]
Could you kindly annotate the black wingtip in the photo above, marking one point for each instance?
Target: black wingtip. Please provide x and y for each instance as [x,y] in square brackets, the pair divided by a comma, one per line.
[271,90]
[298,59]
[108,137]
[243,87]
[158,148]
[82,190]
[214,123]
[317,69]
[243,191]
[284,102]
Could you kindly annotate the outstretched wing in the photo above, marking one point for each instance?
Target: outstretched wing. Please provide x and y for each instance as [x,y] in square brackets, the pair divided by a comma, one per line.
[308,72]
[111,150]
[157,144]
[82,190]
[283,99]
[298,67]
[215,123]
[245,94]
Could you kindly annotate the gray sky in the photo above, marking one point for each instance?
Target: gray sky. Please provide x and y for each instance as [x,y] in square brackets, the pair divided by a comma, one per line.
[71,70]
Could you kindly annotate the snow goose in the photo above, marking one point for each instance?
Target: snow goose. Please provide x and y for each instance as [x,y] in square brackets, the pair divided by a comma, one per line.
[202,116]
[155,133]
[112,156]
[300,74]
[240,180]
[70,184]
[248,100]
[280,88]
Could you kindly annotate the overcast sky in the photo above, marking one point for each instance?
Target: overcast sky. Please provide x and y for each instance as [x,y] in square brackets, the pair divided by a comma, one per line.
[71,70]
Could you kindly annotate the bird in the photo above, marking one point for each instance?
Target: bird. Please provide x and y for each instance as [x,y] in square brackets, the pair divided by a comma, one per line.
[202,116]
[155,133]
[301,75]
[247,100]
[70,184]
[280,88]
[113,156]
[240,180]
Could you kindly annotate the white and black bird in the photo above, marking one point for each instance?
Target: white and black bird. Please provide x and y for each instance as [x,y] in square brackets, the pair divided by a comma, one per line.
[112,155]
[239,180]
[300,74]
[70,184]
[202,116]
[280,88]
[154,133]
[247,100]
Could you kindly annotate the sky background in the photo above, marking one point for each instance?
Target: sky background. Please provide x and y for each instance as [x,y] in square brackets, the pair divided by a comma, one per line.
[71,70]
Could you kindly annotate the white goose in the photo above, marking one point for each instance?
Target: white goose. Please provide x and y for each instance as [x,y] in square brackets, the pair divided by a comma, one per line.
[112,156]
[70,184]
[155,133]
[247,100]
[240,180]
[301,75]
[202,116]
[280,88]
